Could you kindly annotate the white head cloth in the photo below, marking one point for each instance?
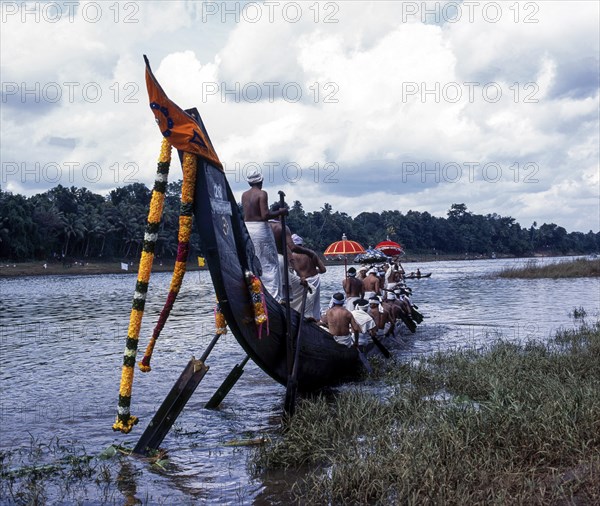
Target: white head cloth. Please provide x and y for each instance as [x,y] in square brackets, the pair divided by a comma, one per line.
[337,302]
[254,176]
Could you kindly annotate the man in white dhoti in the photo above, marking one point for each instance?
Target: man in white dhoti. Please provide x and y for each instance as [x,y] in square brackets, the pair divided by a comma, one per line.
[255,204]
[309,266]
[297,291]
[365,321]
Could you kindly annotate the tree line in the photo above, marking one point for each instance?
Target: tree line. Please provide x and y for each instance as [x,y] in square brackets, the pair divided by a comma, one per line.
[77,223]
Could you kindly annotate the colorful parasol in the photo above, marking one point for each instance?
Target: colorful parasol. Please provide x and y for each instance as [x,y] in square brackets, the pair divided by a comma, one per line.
[390,248]
[371,256]
[343,248]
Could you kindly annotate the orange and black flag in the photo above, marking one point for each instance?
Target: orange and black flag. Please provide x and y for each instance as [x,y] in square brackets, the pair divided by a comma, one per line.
[185,131]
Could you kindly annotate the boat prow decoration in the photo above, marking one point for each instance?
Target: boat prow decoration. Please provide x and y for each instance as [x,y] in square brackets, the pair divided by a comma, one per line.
[229,253]
[184,131]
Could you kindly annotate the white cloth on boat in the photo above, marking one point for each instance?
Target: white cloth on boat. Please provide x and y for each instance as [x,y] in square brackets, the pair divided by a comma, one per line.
[368,295]
[266,251]
[366,323]
[382,332]
[296,291]
[350,303]
[345,340]
[315,283]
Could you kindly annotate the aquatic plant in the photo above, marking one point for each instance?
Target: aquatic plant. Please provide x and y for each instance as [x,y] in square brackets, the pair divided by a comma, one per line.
[581,267]
[507,424]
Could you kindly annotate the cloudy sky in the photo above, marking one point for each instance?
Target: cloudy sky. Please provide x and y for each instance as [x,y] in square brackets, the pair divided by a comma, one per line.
[365,105]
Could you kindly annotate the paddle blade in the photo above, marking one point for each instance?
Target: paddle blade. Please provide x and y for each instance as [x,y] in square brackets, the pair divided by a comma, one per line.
[384,351]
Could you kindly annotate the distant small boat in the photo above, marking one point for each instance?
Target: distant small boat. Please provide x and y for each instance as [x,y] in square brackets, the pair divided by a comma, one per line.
[415,276]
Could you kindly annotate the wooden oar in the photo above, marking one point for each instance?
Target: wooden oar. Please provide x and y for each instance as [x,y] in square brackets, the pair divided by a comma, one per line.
[227,385]
[416,316]
[361,355]
[385,352]
[292,383]
[174,402]
[286,288]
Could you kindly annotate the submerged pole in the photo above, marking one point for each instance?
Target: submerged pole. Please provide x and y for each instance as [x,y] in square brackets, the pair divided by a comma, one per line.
[292,383]
[227,385]
[174,402]
[286,289]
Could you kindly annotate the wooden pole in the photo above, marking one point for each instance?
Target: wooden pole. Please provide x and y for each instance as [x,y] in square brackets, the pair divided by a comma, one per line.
[227,385]
[286,289]
[174,402]
[292,383]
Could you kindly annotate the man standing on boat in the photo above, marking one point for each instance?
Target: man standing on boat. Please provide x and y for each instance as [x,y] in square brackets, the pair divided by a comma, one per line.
[309,266]
[393,276]
[297,281]
[255,203]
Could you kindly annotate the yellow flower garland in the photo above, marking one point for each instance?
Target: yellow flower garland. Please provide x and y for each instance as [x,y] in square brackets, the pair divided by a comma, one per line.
[258,302]
[125,421]
[185,232]
[220,322]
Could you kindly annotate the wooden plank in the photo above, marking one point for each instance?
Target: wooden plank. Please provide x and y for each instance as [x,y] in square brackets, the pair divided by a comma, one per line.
[227,385]
[171,407]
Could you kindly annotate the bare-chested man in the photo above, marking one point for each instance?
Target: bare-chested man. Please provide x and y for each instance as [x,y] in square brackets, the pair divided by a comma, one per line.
[383,320]
[401,309]
[371,284]
[364,320]
[353,287]
[308,265]
[393,275]
[297,281]
[255,203]
[340,322]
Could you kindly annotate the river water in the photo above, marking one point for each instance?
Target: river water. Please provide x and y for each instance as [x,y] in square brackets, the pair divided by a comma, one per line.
[62,340]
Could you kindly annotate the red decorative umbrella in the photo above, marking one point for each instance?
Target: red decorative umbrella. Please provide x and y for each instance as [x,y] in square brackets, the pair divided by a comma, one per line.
[390,248]
[343,248]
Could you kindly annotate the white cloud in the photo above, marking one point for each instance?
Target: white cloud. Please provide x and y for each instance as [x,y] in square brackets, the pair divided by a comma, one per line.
[379,90]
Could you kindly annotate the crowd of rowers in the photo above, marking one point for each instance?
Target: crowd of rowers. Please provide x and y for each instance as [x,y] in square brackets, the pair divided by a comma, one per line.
[371,301]
[370,305]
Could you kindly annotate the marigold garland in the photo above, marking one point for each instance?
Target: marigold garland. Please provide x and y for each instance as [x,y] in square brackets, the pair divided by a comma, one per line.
[220,322]
[259,303]
[125,421]
[183,249]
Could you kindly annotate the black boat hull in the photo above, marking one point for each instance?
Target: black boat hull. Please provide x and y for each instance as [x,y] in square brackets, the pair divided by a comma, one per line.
[229,252]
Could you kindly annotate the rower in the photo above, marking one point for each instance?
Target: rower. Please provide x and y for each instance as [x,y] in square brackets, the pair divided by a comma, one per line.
[339,321]
[353,287]
[309,266]
[371,284]
[364,320]
[383,320]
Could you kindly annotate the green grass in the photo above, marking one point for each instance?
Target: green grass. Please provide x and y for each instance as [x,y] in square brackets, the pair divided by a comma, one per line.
[516,424]
[61,472]
[570,269]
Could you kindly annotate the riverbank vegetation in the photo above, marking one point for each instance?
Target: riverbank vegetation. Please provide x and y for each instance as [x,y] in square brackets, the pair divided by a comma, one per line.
[78,225]
[511,424]
[578,268]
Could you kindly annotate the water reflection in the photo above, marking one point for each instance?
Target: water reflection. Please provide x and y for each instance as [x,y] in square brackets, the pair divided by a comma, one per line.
[62,339]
